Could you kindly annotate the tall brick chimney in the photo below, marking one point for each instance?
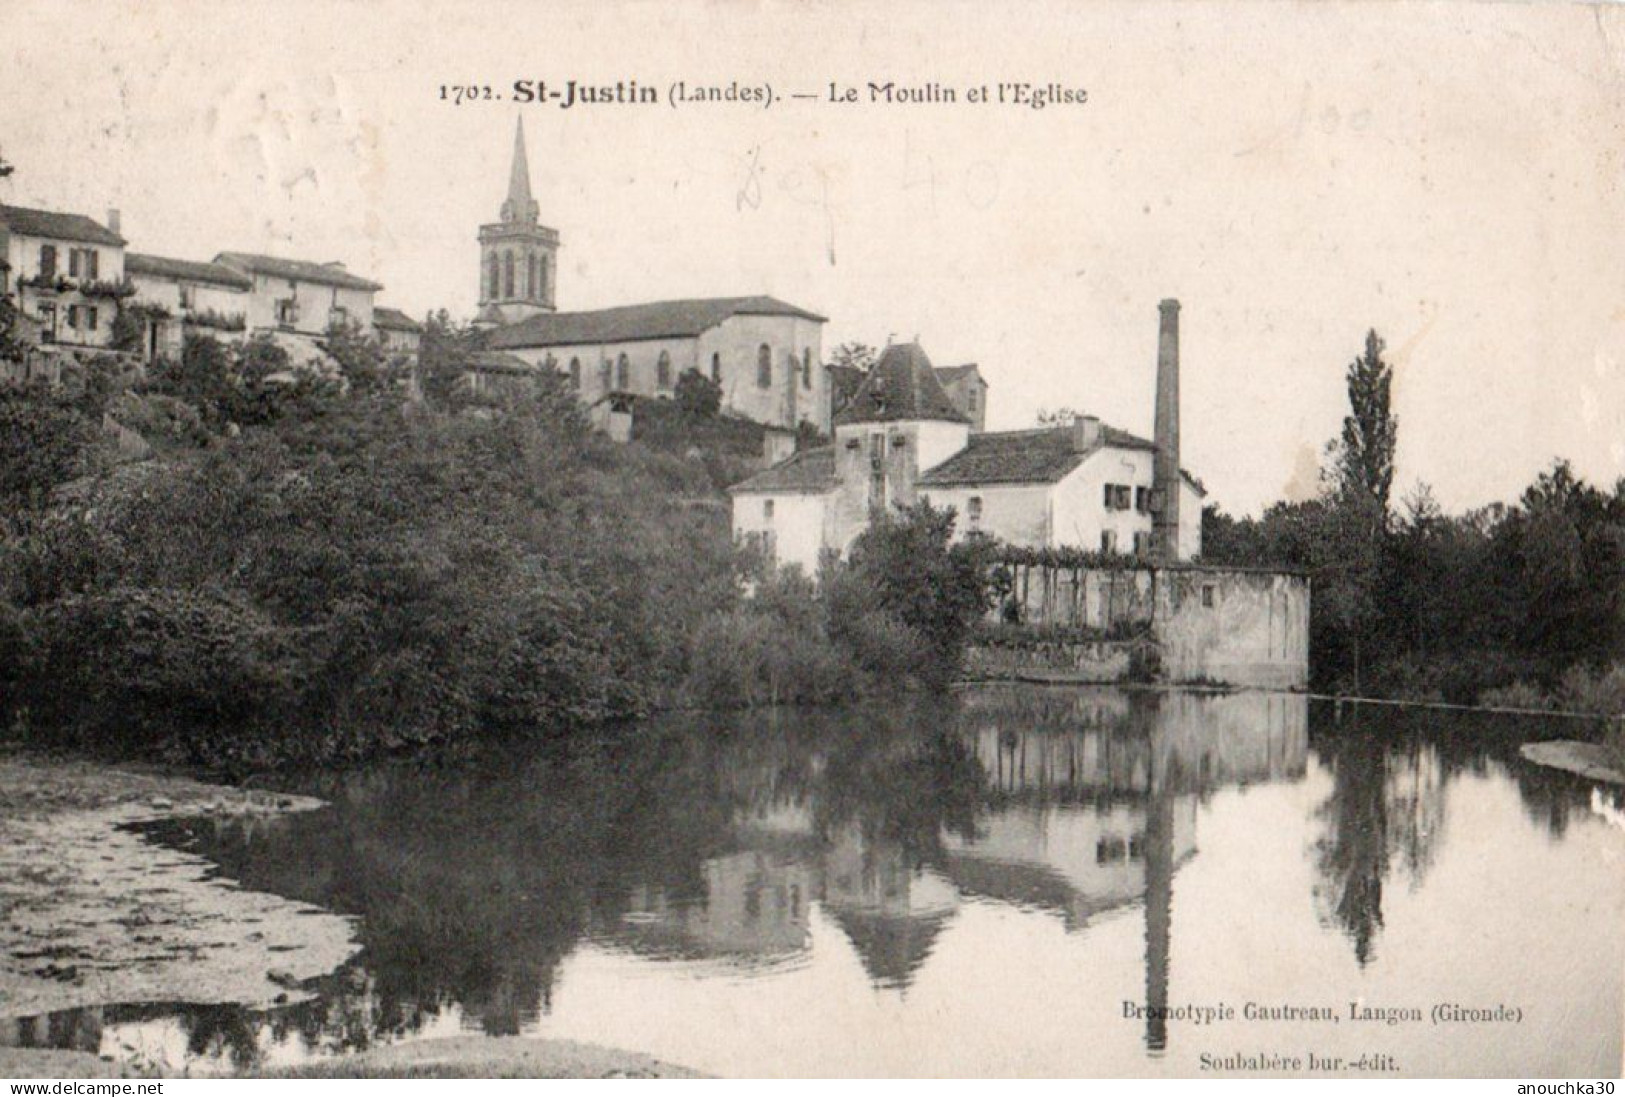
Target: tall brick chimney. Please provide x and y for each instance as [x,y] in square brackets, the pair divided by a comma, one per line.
[1165,472]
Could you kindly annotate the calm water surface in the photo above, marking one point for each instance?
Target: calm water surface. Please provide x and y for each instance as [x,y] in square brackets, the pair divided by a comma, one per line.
[984,884]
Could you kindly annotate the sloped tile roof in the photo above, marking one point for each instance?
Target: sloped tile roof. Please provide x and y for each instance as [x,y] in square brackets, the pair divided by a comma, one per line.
[301,270]
[185,270]
[902,385]
[811,470]
[496,361]
[629,323]
[58,226]
[948,374]
[1040,456]
[394,319]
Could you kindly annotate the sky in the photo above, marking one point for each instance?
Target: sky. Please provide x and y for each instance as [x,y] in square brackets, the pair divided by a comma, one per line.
[1295,174]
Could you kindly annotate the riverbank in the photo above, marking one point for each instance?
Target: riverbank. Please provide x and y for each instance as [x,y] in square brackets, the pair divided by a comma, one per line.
[1590,760]
[90,914]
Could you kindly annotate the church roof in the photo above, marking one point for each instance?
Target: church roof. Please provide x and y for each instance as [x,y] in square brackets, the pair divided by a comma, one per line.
[902,385]
[810,470]
[519,205]
[1040,456]
[630,323]
[185,270]
[57,226]
[298,270]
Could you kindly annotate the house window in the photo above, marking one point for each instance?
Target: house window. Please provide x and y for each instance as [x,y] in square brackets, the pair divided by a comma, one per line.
[767,510]
[1142,500]
[507,274]
[73,317]
[973,513]
[663,370]
[90,318]
[1142,544]
[1209,596]
[1117,497]
[47,319]
[970,398]
[1108,541]
[47,261]
[806,367]
[287,311]
[764,366]
[575,374]
[716,368]
[188,296]
[623,372]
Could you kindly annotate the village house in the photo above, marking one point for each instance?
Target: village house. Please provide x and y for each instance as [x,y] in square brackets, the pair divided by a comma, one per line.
[67,272]
[301,297]
[398,333]
[901,440]
[182,296]
[764,353]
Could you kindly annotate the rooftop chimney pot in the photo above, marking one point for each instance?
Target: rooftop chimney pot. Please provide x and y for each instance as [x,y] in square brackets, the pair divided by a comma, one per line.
[1085,433]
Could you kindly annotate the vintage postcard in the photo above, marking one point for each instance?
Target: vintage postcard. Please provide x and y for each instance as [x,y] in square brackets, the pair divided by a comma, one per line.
[796,538]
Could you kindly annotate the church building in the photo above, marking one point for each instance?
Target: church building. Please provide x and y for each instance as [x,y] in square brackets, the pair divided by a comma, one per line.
[764,353]
[901,440]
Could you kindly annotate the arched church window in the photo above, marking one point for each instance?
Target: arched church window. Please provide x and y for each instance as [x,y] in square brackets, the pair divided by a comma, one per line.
[575,374]
[604,377]
[663,370]
[507,274]
[543,292]
[494,280]
[716,368]
[530,277]
[623,373]
[764,366]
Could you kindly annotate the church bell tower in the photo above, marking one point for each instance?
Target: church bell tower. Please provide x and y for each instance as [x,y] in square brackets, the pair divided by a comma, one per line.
[518,254]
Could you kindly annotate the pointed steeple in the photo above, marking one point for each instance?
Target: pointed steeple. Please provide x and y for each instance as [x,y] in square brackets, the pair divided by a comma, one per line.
[520,206]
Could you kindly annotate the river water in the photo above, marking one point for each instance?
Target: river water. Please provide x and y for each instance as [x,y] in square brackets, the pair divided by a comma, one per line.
[1001,881]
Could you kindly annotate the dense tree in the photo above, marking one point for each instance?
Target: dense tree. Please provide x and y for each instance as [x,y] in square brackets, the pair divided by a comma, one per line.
[697,395]
[1365,452]
[854,355]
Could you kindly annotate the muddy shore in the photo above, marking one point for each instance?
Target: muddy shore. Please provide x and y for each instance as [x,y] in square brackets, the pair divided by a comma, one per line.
[92,915]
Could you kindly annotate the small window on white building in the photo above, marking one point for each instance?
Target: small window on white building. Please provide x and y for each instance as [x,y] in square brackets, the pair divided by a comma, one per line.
[90,318]
[1108,541]
[767,510]
[1210,595]
[1142,500]
[973,513]
[970,398]
[716,368]
[1142,544]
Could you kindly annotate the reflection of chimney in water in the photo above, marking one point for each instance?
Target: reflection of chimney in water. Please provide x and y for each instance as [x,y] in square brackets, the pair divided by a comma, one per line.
[1165,470]
[1159,909]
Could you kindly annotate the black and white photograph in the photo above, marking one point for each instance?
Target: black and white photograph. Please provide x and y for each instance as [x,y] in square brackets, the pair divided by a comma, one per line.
[789,539]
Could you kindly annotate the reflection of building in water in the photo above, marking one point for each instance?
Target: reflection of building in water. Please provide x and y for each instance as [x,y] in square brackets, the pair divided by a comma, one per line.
[889,906]
[1096,797]
[754,907]
[1087,801]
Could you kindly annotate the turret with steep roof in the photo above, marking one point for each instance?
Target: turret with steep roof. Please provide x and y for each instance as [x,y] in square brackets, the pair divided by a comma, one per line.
[518,254]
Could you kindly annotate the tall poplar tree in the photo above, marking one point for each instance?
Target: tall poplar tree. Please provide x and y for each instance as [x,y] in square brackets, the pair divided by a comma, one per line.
[1370,430]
